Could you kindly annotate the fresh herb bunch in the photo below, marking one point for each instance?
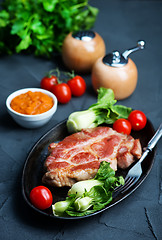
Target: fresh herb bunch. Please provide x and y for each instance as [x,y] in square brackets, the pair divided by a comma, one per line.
[39,26]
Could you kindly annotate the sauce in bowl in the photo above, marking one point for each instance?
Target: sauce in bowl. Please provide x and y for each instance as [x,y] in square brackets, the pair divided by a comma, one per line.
[32,103]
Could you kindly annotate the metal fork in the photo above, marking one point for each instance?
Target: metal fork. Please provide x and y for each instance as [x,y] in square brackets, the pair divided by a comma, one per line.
[135,172]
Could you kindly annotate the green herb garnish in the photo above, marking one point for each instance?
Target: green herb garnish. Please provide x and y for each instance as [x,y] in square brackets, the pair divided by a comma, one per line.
[40,26]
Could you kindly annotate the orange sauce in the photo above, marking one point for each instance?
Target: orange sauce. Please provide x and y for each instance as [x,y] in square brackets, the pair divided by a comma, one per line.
[32,103]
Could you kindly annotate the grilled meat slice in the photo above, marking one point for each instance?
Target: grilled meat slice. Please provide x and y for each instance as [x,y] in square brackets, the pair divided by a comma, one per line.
[78,156]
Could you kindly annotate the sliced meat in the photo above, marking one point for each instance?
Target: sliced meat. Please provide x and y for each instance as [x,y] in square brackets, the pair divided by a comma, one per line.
[78,156]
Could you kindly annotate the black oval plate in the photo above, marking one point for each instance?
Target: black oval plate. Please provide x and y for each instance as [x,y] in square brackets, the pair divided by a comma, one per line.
[34,170]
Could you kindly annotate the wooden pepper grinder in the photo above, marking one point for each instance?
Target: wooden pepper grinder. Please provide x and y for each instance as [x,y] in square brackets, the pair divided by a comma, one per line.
[117,71]
[81,49]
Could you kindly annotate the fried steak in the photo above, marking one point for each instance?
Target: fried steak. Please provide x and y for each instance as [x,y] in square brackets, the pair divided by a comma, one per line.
[78,156]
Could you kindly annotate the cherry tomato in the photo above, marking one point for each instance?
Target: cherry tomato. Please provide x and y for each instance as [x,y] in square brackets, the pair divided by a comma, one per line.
[48,82]
[41,197]
[62,92]
[77,86]
[137,119]
[122,126]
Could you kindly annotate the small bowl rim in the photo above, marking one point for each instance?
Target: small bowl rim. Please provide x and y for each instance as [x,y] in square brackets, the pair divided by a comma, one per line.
[24,90]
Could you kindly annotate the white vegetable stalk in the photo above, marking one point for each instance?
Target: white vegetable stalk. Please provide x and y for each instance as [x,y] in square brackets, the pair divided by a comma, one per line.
[79,120]
[82,204]
[60,207]
[81,187]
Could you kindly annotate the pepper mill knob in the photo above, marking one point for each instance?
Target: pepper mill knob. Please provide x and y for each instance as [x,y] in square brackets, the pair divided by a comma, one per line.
[140,46]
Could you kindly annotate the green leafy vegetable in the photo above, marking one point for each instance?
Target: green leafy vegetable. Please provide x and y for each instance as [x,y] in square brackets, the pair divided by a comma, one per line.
[40,26]
[104,111]
[89,196]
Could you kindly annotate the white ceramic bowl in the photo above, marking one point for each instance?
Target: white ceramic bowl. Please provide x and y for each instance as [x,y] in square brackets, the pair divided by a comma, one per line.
[31,121]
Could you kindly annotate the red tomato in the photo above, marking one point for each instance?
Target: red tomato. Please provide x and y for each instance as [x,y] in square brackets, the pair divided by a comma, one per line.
[48,82]
[77,86]
[122,126]
[41,197]
[62,92]
[137,119]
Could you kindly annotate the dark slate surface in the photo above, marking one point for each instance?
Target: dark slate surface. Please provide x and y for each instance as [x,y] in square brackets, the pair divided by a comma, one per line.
[121,24]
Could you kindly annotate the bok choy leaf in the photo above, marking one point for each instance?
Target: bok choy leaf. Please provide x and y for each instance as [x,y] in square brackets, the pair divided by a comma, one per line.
[103,111]
[89,196]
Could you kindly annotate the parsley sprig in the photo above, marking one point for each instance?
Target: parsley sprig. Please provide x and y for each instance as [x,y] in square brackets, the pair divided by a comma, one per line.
[39,27]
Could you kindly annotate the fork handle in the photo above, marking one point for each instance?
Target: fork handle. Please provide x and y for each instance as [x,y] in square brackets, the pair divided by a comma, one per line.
[155,138]
[152,143]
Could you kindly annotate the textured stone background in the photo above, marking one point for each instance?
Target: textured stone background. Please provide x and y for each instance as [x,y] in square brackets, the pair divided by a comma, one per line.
[121,24]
